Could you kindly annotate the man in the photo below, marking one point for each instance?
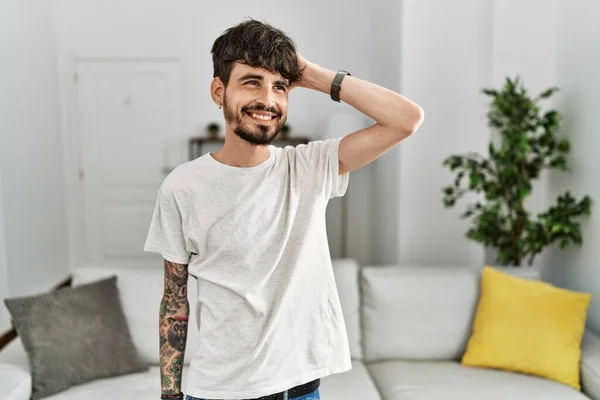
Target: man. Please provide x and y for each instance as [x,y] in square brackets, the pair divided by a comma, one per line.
[248,222]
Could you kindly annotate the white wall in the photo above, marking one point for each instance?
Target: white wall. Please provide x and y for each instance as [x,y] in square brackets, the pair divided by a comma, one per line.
[186,30]
[578,63]
[385,171]
[31,152]
[4,293]
[438,53]
[445,60]
[450,51]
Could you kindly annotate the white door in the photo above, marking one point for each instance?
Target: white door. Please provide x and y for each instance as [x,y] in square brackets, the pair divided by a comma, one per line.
[128,111]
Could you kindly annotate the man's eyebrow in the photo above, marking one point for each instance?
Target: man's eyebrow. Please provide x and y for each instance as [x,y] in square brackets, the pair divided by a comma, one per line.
[251,76]
[261,78]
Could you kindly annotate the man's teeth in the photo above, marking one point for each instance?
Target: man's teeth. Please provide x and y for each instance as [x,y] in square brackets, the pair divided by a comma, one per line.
[265,117]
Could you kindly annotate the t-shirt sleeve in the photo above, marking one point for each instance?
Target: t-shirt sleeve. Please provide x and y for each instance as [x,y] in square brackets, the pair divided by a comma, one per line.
[166,234]
[321,159]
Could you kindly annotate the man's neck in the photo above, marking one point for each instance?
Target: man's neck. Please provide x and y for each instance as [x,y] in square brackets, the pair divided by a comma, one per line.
[237,152]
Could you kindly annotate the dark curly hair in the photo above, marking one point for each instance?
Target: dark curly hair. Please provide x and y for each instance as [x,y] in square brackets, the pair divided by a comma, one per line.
[256,44]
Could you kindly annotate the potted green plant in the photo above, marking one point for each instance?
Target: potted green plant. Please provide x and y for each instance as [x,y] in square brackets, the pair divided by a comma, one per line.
[528,144]
[285,131]
[213,130]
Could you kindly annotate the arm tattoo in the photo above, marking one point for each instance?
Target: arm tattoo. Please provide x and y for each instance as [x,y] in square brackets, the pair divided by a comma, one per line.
[173,322]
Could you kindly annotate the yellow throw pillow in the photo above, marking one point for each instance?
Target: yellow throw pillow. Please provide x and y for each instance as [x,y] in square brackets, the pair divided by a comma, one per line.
[528,326]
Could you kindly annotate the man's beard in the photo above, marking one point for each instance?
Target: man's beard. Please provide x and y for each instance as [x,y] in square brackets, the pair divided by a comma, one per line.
[259,135]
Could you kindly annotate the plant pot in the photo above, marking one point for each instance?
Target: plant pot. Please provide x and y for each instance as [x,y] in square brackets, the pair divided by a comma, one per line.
[213,134]
[521,271]
[525,272]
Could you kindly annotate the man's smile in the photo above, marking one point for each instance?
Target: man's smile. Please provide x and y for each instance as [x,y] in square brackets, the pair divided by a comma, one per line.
[261,116]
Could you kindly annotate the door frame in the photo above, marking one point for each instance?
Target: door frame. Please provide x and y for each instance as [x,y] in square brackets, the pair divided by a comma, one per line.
[68,67]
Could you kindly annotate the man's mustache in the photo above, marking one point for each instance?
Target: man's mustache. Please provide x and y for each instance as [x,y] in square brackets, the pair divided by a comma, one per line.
[261,108]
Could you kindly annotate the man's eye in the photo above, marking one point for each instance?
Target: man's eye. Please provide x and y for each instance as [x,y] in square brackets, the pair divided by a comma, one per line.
[252,82]
[281,88]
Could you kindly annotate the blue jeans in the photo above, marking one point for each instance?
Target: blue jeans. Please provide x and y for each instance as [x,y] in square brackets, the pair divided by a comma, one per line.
[310,396]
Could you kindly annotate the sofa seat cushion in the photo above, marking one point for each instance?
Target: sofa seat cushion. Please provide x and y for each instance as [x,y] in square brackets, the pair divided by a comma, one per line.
[14,353]
[15,383]
[449,380]
[144,385]
[354,384]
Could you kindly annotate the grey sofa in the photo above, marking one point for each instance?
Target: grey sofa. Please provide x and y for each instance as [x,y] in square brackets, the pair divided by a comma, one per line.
[407,326]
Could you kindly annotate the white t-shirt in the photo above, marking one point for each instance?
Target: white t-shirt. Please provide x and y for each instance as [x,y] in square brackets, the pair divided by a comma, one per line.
[268,312]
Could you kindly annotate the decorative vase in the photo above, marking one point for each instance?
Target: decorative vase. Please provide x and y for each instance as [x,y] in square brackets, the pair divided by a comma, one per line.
[213,134]
[212,130]
[525,272]
[520,271]
[284,133]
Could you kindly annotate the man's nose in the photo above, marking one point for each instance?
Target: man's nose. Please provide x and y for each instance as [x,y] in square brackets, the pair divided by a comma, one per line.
[266,98]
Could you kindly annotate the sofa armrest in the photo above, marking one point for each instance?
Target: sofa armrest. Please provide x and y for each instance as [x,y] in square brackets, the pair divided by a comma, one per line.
[590,365]
[15,383]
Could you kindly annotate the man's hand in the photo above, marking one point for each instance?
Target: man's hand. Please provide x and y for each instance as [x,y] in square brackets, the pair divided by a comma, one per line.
[311,72]
[302,63]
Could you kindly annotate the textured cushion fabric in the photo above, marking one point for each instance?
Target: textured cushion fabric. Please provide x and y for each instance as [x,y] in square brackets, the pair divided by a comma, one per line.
[141,292]
[417,313]
[449,380]
[354,384]
[15,383]
[346,272]
[74,335]
[590,364]
[528,326]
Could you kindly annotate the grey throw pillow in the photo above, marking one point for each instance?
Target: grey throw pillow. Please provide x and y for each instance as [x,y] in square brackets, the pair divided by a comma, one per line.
[74,335]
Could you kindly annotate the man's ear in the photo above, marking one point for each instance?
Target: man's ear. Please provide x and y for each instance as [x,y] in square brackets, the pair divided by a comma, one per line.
[217,90]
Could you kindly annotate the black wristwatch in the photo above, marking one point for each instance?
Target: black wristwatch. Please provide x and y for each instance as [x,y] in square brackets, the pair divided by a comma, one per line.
[336,85]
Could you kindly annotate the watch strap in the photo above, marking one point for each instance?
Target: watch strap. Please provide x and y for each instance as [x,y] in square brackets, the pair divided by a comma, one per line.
[336,85]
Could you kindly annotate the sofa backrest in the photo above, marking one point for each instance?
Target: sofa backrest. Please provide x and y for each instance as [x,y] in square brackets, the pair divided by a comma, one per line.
[347,275]
[417,313]
[141,292]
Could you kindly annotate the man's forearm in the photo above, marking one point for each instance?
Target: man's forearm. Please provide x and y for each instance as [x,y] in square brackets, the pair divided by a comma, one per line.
[385,106]
[173,335]
[173,324]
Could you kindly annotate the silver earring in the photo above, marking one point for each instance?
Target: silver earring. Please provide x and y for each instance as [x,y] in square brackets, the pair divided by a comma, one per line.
[220,107]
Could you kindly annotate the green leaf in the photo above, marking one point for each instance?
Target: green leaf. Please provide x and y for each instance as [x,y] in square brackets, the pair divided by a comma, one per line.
[449,203]
[490,92]
[563,146]
[548,92]
[525,190]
